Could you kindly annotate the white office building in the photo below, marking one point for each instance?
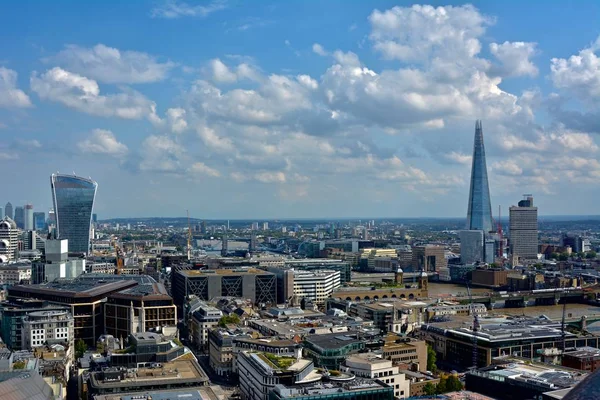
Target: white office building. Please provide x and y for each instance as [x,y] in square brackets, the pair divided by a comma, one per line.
[316,285]
[47,327]
[367,365]
[261,372]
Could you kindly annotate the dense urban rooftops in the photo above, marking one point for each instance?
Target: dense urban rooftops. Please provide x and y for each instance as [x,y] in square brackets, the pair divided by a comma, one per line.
[208,272]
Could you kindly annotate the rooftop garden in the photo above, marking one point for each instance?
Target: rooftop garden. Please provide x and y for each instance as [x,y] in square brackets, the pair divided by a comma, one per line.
[277,361]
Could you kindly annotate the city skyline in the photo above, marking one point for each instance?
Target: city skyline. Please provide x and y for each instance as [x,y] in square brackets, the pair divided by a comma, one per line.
[283,110]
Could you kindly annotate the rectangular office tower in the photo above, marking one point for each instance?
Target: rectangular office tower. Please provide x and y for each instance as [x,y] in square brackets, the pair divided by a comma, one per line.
[524,229]
[73,199]
[472,246]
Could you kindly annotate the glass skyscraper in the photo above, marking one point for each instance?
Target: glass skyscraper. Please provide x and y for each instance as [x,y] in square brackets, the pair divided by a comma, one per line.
[479,215]
[73,199]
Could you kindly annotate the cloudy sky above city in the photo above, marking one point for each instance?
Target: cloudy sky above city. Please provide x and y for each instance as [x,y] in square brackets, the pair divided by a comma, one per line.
[288,109]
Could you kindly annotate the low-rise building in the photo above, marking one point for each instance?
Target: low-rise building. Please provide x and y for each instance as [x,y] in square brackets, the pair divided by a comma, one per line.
[206,317]
[47,327]
[179,374]
[367,365]
[146,348]
[330,350]
[500,336]
[585,359]
[15,273]
[13,313]
[401,349]
[220,348]
[511,378]
[357,389]
[201,393]
[262,371]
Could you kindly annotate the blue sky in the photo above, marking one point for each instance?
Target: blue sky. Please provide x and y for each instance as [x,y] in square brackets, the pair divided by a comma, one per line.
[288,109]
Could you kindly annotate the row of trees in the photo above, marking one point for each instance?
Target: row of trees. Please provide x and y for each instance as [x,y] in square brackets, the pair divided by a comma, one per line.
[448,383]
[565,256]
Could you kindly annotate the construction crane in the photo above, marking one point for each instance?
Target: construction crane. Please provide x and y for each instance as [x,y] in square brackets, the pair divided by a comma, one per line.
[500,238]
[119,256]
[475,327]
[563,334]
[189,237]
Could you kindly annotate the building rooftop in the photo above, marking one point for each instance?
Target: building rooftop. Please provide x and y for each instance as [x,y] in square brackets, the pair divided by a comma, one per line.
[323,389]
[146,291]
[204,393]
[551,377]
[269,342]
[174,372]
[98,276]
[238,271]
[332,340]
[75,287]
[370,358]
[281,328]
[584,352]
[497,329]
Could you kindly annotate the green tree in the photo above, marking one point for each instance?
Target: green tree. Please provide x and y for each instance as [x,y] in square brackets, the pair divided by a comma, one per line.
[229,319]
[431,359]
[554,256]
[80,348]
[590,254]
[441,387]
[429,389]
[453,384]
[563,256]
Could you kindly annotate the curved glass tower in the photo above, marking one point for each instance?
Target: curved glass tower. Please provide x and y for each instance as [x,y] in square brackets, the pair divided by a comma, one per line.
[479,215]
[73,199]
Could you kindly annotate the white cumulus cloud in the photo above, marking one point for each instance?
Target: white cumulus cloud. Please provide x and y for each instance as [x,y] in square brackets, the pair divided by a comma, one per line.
[110,65]
[10,95]
[515,58]
[83,94]
[103,142]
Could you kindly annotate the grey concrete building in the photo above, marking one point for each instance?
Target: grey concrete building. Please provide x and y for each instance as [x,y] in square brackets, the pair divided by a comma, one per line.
[248,283]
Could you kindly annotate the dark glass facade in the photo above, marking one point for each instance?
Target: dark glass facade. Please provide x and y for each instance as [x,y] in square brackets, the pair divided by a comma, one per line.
[479,215]
[73,199]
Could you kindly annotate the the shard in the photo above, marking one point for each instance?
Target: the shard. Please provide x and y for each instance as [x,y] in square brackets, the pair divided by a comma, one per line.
[479,216]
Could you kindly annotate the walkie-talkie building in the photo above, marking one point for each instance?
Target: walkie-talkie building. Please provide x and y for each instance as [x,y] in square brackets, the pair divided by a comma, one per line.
[73,199]
[479,215]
